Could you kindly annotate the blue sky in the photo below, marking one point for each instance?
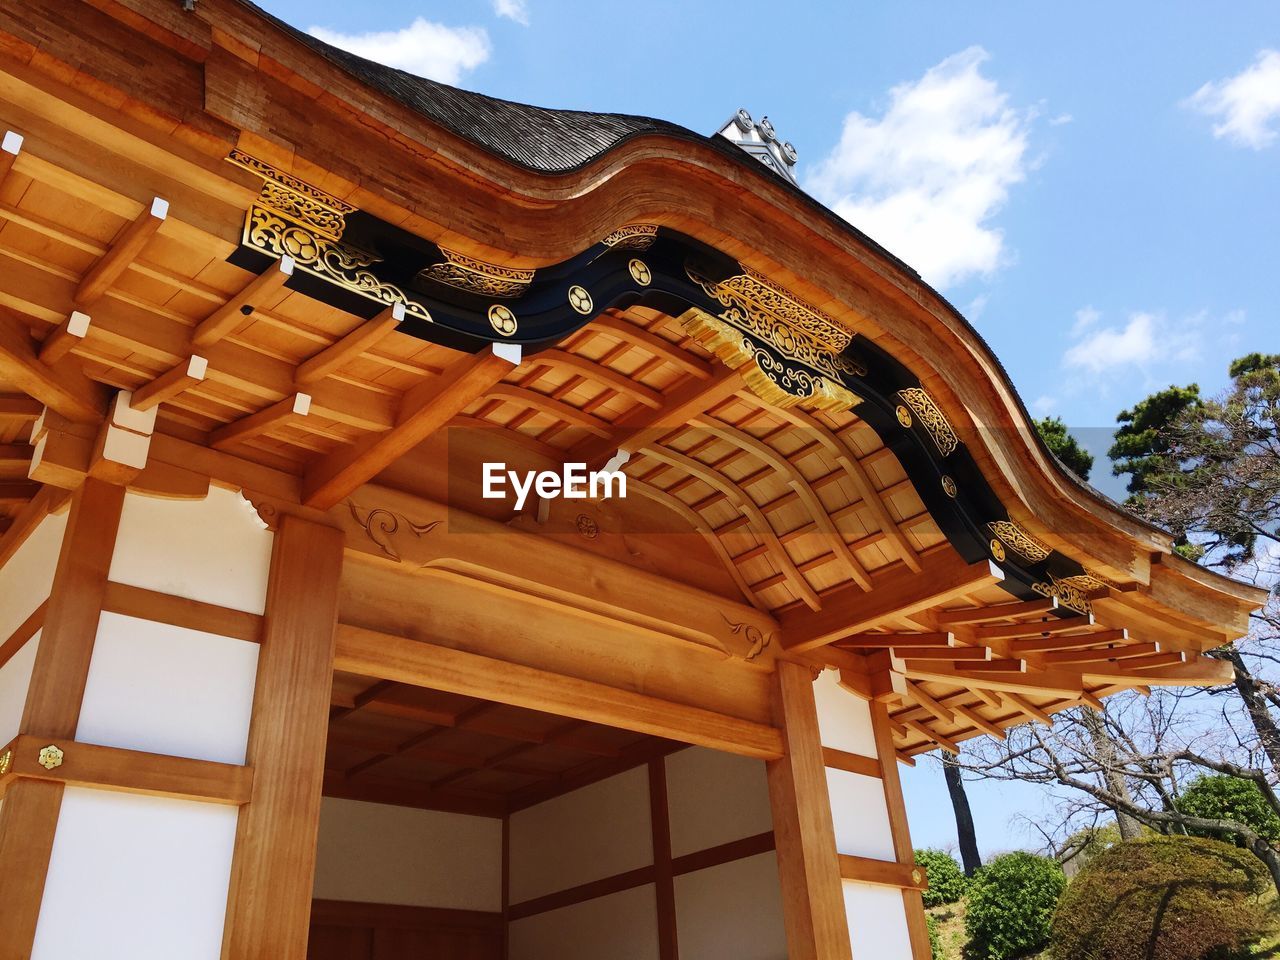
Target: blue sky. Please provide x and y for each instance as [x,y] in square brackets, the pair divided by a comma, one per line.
[1095,186]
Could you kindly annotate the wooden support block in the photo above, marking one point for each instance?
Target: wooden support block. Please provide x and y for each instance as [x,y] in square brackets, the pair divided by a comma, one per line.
[902,641]
[123,251]
[18,408]
[883,873]
[932,736]
[851,762]
[16,493]
[1003,665]
[64,338]
[261,422]
[171,383]
[351,346]
[128,771]
[1091,701]
[813,910]
[1121,652]
[968,655]
[1045,644]
[231,314]
[991,699]
[10,147]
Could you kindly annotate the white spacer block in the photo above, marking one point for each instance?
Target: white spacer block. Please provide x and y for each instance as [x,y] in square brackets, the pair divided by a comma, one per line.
[78,324]
[126,447]
[127,418]
[285,265]
[12,142]
[897,683]
[37,428]
[197,367]
[397,312]
[302,404]
[509,352]
[37,455]
[159,208]
[617,461]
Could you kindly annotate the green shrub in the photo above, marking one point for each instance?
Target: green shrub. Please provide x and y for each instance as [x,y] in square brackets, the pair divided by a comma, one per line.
[935,938]
[1229,798]
[1163,898]
[947,881]
[1010,906]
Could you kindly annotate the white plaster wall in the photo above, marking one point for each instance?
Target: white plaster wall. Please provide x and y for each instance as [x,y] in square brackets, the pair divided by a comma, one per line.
[25,580]
[844,719]
[860,815]
[166,689]
[214,550]
[732,911]
[15,678]
[714,798]
[877,922]
[377,853]
[136,878]
[621,926]
[595,832]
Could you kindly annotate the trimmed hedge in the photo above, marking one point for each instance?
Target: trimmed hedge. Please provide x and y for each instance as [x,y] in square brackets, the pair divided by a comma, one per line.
[1220,797]
[1010,906]
[947,881]
[1164,898]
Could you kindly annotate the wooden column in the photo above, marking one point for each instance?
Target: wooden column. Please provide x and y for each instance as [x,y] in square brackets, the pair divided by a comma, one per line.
[812,900]
[29,815]
[269,902]
[912,901]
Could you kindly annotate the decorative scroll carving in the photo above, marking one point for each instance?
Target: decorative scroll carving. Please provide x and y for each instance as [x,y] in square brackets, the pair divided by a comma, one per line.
[324,221]
[935,422]
[754,636]
[1088,581]
[781,379]
[760,297]
[477,276]
[636,236]
[6,759]
[289,182]
[1069,593]
[381,525]
[1019,540]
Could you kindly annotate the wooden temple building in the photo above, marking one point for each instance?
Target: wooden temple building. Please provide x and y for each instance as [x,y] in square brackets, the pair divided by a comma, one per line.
[279,680]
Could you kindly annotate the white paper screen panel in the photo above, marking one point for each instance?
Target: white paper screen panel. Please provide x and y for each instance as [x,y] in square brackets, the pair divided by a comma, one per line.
[15,678]
[877,922]
[592,833]
[621,926]
[715,798]
[136,878]
[25,580]
[165,689]
[732,911]
[844,719]
[214,550]
[860,815]
[377,853]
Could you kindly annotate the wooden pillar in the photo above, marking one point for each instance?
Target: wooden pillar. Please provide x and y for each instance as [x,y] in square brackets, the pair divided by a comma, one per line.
[663,877]
[912,901]
[29,815]
[269,902]
[812,899]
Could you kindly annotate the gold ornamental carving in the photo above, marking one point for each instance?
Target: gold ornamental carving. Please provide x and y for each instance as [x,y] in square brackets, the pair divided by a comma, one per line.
[503,320]
[949,487]
[1071,592]
[580,300]
[636,236]
[755,294]
[290,217]
[6,761]
[50,757]
[997,550]
[477,276]
[933,419]
[1018,540]
[640,272]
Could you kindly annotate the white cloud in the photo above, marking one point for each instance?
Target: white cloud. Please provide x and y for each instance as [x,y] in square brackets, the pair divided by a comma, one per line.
[926,178]
[1060,119]
[1246,106]
[1145,342]
[517,10]
[1043,405]
[424,48]
[1110,347]
[1086,317]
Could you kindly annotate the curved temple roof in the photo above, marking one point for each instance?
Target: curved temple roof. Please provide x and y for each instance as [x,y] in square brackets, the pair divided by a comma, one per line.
[854,461]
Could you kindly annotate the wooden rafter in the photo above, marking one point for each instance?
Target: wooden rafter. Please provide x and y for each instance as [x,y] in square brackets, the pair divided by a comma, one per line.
[122,252]
[61,388]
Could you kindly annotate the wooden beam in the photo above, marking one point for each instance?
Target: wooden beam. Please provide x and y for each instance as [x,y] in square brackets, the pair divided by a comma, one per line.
[882,873]
[916,693]
[971,656]
[623,329]
[663,873]
[1038,628]
[64,338]
[128,771]
[1032,645]
[1122,651]
[998,611]
[61,388]
[232,314]
[18,408]
[978,721]
[339,354]
[902,641]
[264,421]
[813,910]
[931,735]
[524,397]
[895,592]
[269,903]
[455,671]
[170,384]
[123,251]
[424,410]
[158,607]
[851,762]
[1027,707]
